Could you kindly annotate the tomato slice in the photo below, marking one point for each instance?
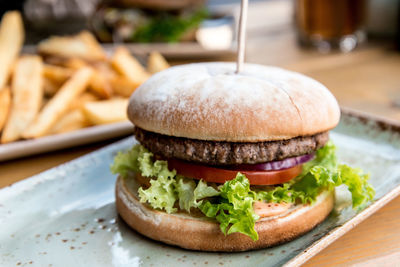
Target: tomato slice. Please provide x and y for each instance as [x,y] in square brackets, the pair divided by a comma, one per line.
[217,175]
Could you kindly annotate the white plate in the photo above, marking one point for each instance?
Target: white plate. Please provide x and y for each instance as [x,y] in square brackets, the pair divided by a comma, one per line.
[54,142]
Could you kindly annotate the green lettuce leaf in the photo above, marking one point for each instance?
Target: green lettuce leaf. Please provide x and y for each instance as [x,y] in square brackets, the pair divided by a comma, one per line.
[357,183]
[322,173]
[125,162]
[235,213]
[325,156]
[185,189]
[190,194]
[161,194]
[166,187]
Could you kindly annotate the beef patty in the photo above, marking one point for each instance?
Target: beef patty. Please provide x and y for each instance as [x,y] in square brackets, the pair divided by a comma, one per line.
[228,153]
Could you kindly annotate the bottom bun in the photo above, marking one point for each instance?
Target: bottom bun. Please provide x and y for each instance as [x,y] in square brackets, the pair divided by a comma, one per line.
[201,233]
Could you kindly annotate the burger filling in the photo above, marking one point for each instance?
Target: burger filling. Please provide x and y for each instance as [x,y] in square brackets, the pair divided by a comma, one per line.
[236,194]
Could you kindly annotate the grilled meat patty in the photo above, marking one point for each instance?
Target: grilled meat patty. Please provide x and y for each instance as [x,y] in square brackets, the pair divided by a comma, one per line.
[228,153]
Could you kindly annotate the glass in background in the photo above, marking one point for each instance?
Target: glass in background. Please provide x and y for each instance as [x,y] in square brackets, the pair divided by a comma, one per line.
[330,24]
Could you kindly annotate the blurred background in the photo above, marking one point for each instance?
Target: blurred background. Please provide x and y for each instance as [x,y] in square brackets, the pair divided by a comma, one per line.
[323,24]
[351,46]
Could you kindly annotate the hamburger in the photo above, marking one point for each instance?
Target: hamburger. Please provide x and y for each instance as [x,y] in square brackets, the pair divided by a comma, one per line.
[231,162]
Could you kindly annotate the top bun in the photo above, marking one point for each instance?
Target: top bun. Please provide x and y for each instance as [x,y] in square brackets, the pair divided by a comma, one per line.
[208,101]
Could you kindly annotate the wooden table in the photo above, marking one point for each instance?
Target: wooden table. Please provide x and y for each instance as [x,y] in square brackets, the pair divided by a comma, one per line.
[367,79]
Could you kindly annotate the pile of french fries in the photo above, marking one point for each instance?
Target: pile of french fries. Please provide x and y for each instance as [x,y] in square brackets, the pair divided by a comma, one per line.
[71,83]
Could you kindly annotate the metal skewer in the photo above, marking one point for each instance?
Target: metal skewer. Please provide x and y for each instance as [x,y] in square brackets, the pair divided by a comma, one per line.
[242,35]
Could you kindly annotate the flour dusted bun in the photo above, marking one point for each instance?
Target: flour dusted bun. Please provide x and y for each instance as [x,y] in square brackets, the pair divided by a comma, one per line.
[205,234]
[208,101]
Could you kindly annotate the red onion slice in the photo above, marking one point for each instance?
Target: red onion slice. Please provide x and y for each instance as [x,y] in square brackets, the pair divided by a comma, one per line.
[273,165]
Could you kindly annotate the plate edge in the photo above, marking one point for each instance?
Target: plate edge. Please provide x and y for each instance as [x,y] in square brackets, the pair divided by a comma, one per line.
[340,231]
[56,142]
[383,122]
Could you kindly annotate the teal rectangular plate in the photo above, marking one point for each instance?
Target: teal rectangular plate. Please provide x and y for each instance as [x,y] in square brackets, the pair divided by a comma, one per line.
[66,216]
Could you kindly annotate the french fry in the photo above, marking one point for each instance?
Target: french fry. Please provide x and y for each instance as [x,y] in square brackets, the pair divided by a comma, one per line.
[54,77]
[50,87]
[73,120]
[50,98]
[105,69]
[11,40]
[98,83]
[156,62]
[123,86]
[83,45]
[128,66]
[106,72]
[74,63]
[44,102]
[5,103]
[82,99]
[57,73]
[54,60]
[59,104]
[27,91]
[106,111]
